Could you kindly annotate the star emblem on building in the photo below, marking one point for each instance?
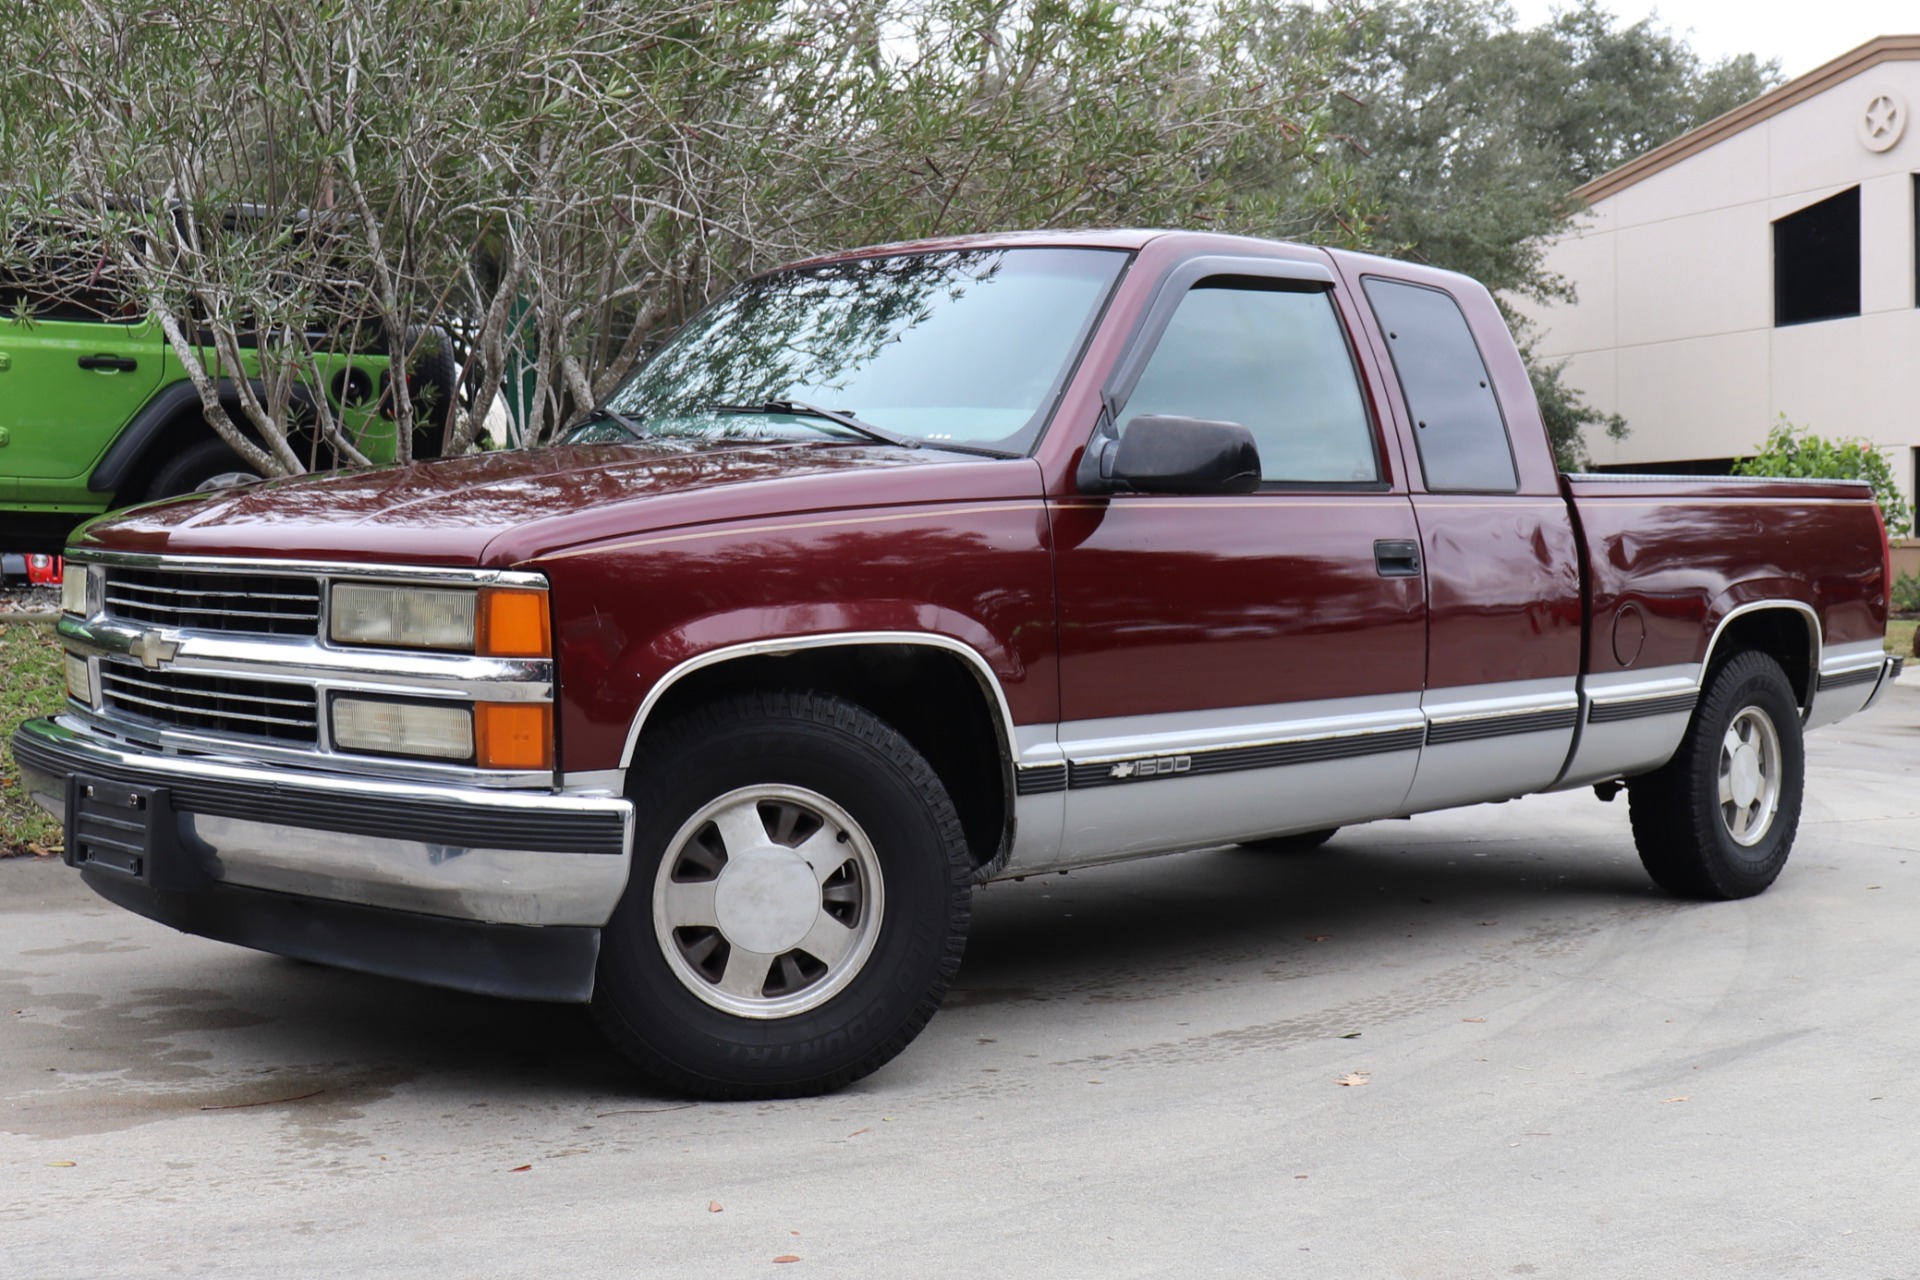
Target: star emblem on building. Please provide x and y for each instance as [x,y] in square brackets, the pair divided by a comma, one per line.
[1883,116]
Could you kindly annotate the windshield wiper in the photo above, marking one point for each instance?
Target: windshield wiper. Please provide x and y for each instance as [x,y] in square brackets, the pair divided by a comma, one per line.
[801,409]
[600,413]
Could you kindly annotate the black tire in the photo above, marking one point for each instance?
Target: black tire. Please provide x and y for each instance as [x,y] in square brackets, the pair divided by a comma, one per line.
[433,379]
[1697,841]
[905,845]
[1298,842]
[193,467]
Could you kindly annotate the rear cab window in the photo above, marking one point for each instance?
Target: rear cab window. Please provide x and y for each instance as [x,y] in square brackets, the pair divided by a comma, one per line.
[1458,427]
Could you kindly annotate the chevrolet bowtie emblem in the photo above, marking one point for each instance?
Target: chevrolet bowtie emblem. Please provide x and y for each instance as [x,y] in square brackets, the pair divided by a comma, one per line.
[152,649]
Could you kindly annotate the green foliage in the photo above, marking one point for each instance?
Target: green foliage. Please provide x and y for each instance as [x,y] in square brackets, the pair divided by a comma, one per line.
[1796,451]
[570,179]
[1466,136]
[1906,593]
[1473,132]
[1566,413]
[31,684]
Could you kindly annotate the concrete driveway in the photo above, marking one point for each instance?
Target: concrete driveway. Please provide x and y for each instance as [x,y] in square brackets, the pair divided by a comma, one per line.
[1549,1069]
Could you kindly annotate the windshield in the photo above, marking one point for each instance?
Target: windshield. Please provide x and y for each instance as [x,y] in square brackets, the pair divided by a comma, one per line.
[969,347]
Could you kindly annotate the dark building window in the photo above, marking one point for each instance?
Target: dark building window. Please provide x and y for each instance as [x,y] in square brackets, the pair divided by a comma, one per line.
[1816,261]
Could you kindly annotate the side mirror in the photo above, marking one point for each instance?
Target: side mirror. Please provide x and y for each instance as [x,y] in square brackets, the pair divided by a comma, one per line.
[1164,454]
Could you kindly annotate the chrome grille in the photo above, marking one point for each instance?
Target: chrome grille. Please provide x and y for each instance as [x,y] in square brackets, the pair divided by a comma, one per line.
[237,603]
[223,705]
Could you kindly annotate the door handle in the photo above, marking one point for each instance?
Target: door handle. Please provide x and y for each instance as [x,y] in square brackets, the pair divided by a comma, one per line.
[124,364]
[1395,558]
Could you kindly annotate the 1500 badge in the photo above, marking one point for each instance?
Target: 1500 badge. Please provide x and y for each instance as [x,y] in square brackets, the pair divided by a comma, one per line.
[1153,767]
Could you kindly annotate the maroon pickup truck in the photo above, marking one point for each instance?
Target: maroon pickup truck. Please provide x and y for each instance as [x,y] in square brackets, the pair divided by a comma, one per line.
[909,569]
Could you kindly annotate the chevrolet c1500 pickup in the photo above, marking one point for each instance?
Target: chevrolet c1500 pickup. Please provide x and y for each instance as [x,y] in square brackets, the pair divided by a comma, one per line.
[904,570]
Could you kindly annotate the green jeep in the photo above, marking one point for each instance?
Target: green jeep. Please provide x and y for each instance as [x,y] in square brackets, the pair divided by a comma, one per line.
[96,412]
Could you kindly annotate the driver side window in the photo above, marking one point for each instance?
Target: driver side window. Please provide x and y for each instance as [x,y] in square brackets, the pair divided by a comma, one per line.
[1276,362]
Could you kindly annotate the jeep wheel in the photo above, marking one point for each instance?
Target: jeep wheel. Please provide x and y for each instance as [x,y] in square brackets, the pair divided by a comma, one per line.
[797,905]
[207,465]
[1718,820]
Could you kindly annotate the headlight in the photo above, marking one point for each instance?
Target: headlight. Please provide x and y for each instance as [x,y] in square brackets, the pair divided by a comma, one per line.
[79,679]
[444,731]
[73,589]
[402,617]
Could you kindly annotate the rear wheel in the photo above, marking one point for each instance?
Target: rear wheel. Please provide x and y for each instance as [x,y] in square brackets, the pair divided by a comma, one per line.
[798,901]
[1718,820]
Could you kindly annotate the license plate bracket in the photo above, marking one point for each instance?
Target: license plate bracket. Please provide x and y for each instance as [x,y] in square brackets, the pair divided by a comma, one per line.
[126,829]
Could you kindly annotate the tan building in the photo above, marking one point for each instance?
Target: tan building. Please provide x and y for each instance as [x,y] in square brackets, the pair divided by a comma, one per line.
[1763,264]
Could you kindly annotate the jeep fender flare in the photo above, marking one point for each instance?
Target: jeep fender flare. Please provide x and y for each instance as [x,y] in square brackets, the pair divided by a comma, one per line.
[154,417]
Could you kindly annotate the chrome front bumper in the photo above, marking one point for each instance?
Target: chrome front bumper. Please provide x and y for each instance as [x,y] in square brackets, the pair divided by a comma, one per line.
[495,857]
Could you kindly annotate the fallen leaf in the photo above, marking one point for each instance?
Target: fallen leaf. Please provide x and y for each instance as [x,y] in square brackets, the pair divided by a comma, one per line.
[61,1164]
[1319,937]
[1353,1078]
[1351,1035]
[1682,1098]
[788,1257]
[1299,1177]
[857,1132]
[520,1168]
[644,1111]
[1473,1019]
[1093,1082]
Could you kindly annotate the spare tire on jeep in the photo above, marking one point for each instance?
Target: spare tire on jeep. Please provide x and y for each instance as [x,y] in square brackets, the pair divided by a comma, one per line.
[432,381]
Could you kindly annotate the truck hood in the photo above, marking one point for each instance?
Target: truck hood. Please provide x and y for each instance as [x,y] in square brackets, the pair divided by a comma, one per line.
[506,508]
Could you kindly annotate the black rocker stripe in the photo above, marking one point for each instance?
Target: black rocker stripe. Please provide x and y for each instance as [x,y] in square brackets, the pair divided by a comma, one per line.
[1271,755]
[1039,779]
[1846,678]
[1673,704]
[1501,726]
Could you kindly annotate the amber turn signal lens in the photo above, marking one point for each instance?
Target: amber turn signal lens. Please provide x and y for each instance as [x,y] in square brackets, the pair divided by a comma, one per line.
[513,735]
[513,624]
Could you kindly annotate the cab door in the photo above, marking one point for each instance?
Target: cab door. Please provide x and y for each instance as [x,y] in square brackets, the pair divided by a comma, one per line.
[69,381]
[1241,665]
[1502,562]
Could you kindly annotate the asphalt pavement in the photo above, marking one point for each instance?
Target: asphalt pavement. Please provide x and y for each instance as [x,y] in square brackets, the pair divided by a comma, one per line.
[1476,1044]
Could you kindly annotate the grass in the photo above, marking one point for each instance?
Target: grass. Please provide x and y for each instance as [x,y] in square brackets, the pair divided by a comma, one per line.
[1900,634]
[32,683]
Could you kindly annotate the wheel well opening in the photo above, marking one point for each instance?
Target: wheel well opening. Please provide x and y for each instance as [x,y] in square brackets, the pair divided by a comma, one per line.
[1782,635]
[932,697]
[189,428]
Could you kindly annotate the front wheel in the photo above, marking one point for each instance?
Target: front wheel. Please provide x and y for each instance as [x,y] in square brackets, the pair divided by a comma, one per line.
[797,905]
[1718,820]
